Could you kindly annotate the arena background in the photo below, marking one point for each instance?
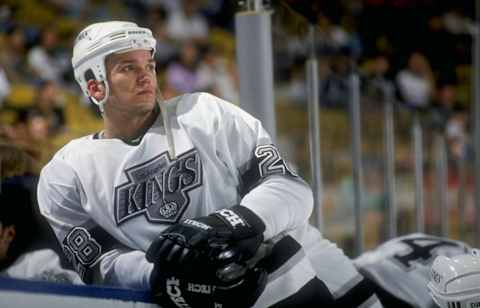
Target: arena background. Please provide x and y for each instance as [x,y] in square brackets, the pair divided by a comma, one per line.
[42,108]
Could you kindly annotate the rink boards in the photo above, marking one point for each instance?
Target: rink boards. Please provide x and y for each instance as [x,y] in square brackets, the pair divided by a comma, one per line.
[27,294]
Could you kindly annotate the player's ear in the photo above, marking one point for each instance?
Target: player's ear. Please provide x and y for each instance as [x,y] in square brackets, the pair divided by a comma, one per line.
[9,233]
[96,89]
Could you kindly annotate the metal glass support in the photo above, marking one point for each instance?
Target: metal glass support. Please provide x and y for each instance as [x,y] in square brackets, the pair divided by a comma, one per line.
[441,180]
[476,118]
[389,152]
[418,154]
[314,131]
[255,65]
[357,159]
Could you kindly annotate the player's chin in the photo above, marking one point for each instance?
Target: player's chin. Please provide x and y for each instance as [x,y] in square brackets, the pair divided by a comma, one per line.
[143,106]
[146,100]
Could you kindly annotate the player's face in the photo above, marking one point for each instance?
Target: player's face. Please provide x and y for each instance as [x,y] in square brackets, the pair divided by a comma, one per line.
[132,80]
[6,237]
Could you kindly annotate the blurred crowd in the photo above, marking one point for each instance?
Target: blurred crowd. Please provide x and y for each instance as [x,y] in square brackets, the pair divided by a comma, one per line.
[415,52]
[41,106]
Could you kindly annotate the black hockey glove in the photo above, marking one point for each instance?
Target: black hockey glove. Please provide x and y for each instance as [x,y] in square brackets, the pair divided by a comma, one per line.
[210,259]
[236,230]
[203,289]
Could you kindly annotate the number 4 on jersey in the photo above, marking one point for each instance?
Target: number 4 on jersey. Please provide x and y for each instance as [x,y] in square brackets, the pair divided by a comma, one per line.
[421,250]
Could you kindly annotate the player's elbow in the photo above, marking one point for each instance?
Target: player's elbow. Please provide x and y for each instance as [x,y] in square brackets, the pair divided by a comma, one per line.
[304,195]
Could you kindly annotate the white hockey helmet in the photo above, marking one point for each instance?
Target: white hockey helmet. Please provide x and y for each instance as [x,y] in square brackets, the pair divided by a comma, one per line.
[94,43]
[455,282]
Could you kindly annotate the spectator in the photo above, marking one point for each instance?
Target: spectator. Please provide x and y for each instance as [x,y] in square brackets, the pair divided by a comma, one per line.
[166,47]
[335,87]
[4,86]
[218,75]
[296,87]
[13,162]
[415,82]
[49,104]
[443,105]
[12,55]
[331,38]
[182,75]
[457,136]
[42,60]
[378,82]
[187,23]
[450,119]
[30,132]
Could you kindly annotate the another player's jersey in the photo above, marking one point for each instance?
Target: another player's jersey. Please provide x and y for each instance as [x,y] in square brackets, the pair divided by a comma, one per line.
[108,200]
[401,266]
[41,265]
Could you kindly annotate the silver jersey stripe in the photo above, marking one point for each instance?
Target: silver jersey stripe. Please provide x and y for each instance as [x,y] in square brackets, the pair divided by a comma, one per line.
[372,301]
[347,286]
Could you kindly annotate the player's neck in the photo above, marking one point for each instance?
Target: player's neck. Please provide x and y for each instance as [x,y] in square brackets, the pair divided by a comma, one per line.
[127,126]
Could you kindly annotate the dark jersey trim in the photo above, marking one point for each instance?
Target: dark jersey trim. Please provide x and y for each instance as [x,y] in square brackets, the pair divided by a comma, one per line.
[281,252]
[266,161]
[386,298]
[316,294]
[313,294]
[84,246]
[357,294]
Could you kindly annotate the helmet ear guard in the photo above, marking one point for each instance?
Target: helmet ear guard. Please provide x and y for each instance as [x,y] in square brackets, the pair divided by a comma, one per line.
[94,43]
[455,282]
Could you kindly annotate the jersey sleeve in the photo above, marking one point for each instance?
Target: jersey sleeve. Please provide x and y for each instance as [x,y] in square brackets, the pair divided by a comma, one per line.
[96,256]
[269,187]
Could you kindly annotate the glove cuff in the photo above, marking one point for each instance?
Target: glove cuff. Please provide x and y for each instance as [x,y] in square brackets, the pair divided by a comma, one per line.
[243,221]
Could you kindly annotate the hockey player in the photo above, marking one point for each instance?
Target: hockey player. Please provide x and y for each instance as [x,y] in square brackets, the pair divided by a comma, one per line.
[455,282]
[188,197]
[22,253]
[399,269]
[19,257]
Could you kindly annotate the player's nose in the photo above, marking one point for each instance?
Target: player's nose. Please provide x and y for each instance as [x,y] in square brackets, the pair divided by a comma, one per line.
[145,75]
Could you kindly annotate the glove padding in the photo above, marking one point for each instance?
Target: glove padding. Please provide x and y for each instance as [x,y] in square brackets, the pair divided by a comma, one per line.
[202,289]
[236,229]
[209,260]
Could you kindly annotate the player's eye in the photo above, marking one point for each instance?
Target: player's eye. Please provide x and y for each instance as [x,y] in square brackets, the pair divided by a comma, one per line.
[151,67]
[127,68]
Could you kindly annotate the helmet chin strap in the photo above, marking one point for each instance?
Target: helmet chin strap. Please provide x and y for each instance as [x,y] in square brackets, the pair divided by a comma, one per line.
[102,102]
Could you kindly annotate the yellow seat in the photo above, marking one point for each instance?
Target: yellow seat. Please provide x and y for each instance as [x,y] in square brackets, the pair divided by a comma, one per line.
[21,95]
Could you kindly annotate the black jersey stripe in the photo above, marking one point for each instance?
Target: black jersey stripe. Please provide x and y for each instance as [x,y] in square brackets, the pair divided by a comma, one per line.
[316,294]
[313,294]
[84,246]
[281,253]
[360,294]
[266,161]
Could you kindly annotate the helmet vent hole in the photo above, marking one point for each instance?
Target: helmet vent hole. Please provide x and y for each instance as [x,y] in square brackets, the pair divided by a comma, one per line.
[89,75]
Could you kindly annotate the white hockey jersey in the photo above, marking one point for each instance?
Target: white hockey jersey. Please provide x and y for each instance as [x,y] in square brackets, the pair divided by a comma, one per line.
[108,200]
[43,265]
[401,266]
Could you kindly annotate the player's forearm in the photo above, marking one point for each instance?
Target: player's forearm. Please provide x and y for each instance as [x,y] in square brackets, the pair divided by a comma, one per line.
[282,203]
[124,269]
